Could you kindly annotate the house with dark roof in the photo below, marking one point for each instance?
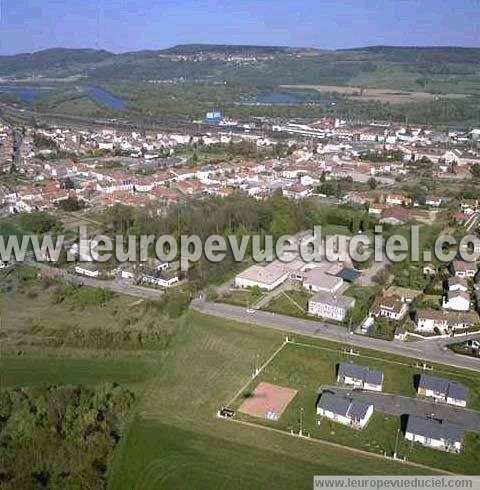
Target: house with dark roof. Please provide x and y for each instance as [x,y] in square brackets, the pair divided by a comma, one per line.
[349,275]
[437,434]
[344,410]
[443,390]
[359,376]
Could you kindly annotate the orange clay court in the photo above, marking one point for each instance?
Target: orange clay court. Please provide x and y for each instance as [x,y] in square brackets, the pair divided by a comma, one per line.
[268,401]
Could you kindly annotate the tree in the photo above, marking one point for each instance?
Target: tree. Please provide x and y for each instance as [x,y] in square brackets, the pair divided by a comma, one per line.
[372,183]
[475,170]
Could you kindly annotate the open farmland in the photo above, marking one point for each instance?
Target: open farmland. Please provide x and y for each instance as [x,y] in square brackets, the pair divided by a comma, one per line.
[391,96]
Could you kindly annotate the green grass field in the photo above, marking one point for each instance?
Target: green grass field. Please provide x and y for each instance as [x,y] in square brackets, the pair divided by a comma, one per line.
[291,303]
[38,370]
[247,297]
[306,368]
[174,439]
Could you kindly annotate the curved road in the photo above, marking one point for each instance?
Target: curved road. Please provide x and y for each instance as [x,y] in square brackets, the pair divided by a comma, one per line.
[427,350]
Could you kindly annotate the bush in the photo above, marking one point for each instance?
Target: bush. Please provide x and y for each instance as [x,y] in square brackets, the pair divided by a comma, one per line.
[39,223]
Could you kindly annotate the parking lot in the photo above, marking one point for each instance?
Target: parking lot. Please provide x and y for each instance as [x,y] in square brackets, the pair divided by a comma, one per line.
[401,405]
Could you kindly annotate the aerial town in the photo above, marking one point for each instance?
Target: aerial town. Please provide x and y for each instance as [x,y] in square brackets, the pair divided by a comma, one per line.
[239,265]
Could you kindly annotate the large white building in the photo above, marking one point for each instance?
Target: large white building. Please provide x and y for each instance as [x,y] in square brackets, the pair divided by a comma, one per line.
[267,277]
[330,306]
[317,281]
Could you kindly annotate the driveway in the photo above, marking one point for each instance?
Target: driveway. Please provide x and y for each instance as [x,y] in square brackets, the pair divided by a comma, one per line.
[398,405]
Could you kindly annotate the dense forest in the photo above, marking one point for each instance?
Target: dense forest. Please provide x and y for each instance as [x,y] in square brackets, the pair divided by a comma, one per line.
[60,437]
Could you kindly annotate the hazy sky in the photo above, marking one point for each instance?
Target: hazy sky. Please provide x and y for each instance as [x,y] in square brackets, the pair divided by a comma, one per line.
[129,25]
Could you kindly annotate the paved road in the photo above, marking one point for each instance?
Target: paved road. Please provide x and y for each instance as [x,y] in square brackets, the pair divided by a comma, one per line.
[121,286]
[431,351]
[400,405]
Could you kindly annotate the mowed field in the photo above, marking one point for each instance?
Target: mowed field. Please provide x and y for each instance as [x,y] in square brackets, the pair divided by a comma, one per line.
[307,366]
[391,96]
[176,441]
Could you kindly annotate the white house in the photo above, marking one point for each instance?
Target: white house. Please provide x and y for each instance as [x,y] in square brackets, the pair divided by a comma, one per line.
[89,270]
[434,433]
[344,410]
[442,390]
[427,320]
[457,301]
[359,377]
[330,306]
[457,284]
[391,307]
[159,279]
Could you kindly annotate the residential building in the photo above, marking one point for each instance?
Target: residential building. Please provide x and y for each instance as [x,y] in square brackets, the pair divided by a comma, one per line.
[462,268]
[391,307]
[87,269]
[442,390]
[395,216]
[398,200]
[457,284]
[436,434]
[344,410]
[359,376]
[159,279]
[457,301]
[444,322]
[330,306]
[429,270]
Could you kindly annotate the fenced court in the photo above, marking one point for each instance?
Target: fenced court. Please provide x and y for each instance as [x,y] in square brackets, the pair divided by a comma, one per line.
[268,401]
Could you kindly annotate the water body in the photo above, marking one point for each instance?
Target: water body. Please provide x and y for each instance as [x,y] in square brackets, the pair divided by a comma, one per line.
[105,98]
[283,98]
[24,94]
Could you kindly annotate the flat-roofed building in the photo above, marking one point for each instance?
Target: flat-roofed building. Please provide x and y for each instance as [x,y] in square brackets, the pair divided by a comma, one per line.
[330,306]
[317,281]
[267,277]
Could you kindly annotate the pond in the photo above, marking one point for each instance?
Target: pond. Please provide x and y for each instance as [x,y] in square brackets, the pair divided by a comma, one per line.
[105,98]
[24,94]
[28,94]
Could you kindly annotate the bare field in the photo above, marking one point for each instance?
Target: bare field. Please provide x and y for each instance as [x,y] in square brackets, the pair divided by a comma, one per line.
[378,94]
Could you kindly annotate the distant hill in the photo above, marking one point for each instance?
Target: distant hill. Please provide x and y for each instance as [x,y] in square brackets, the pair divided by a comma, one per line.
[225,48]
[56,59]
[434,69]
